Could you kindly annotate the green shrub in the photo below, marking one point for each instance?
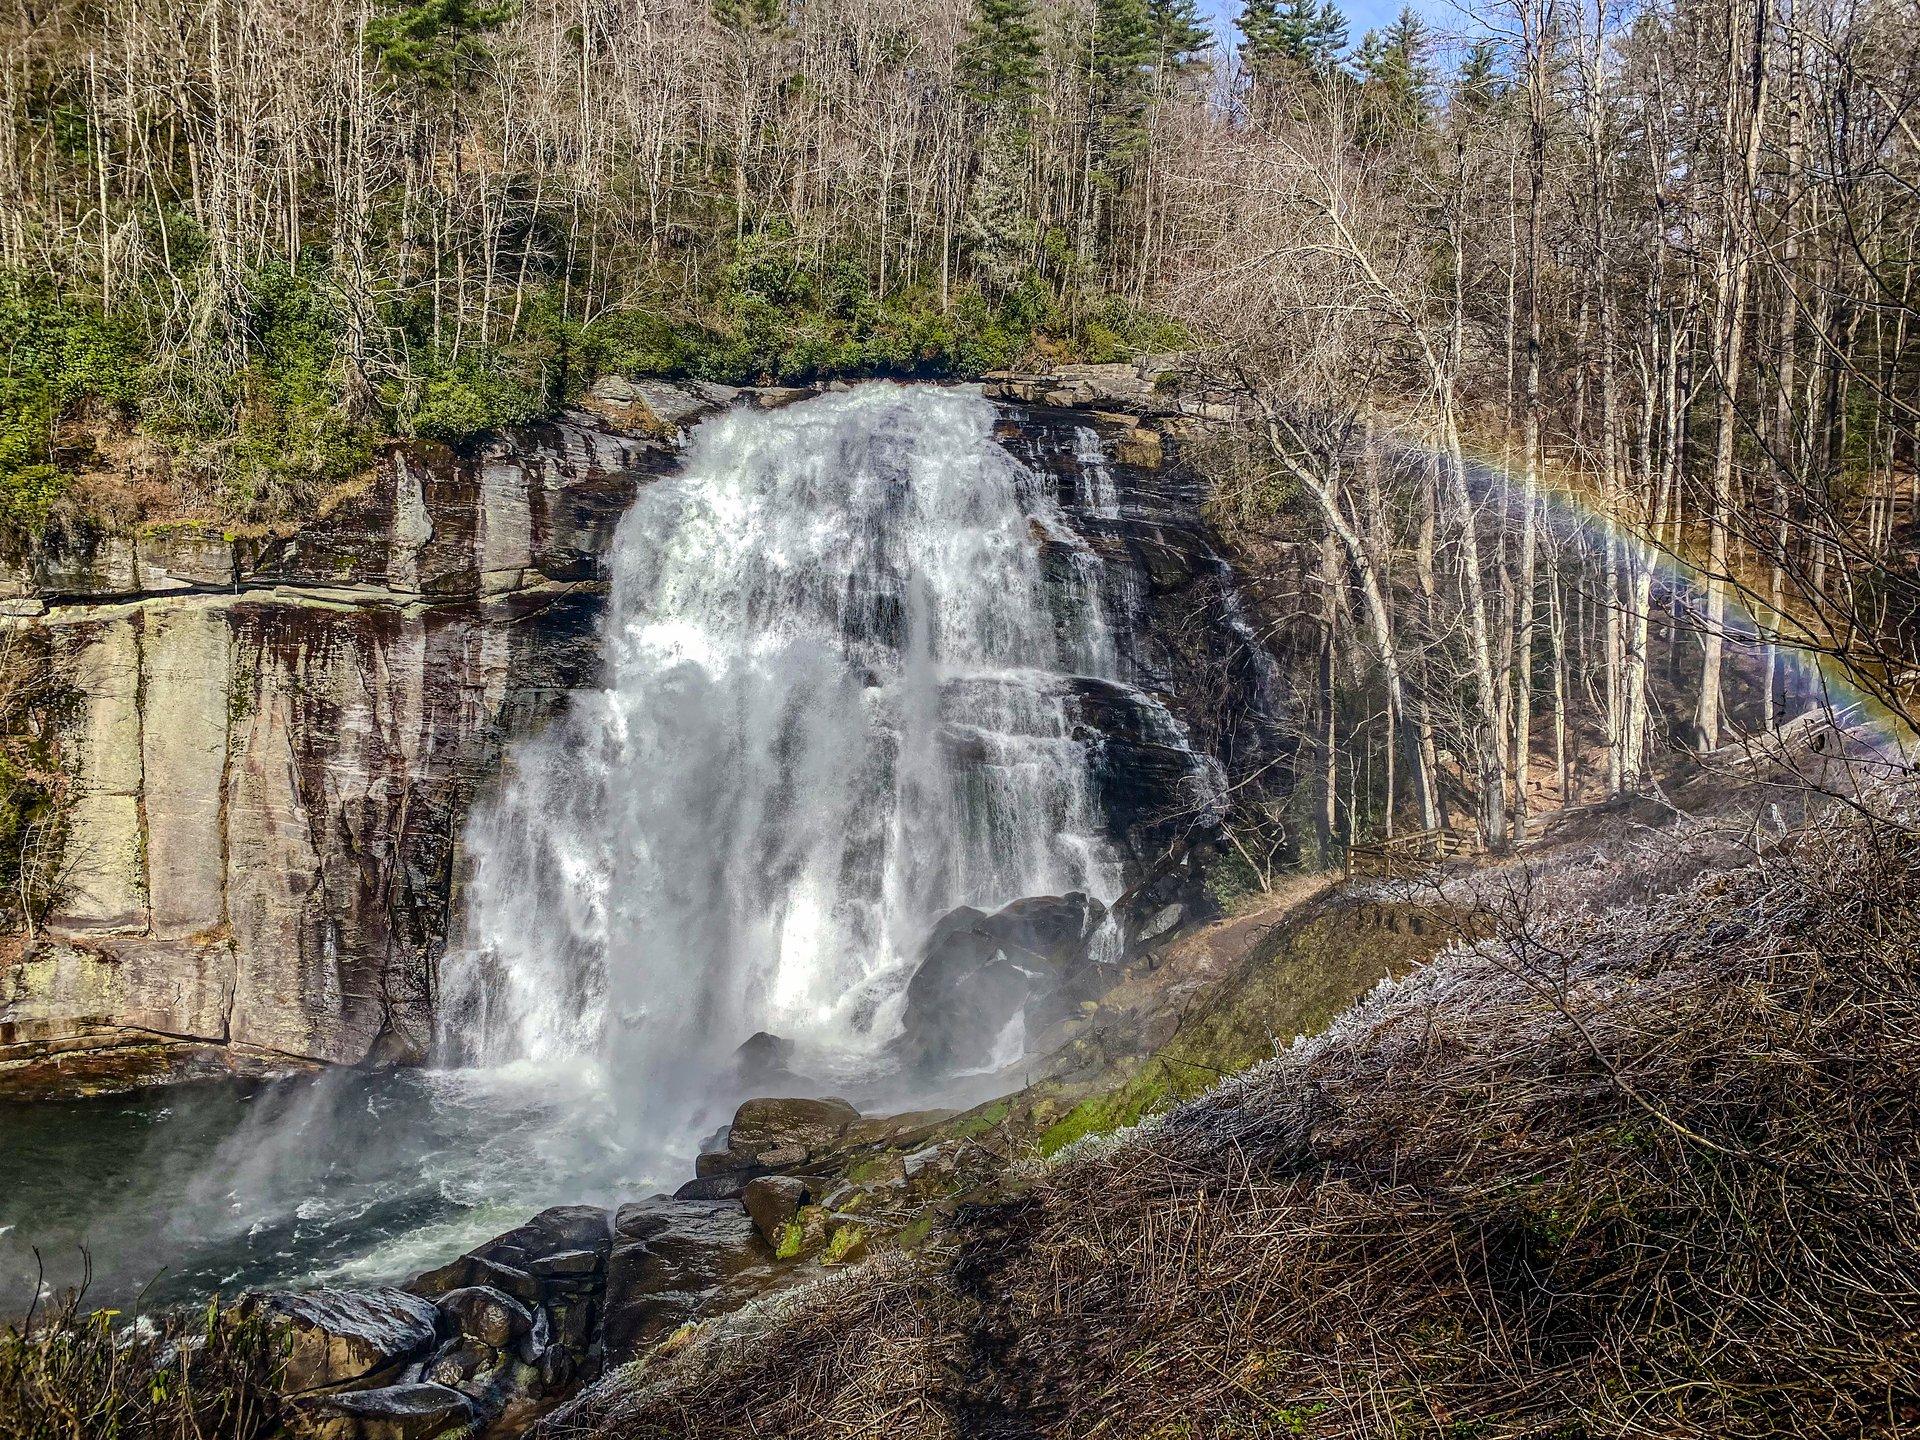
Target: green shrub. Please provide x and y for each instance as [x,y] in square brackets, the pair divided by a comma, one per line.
[484,389]
[293,434]
[60,355]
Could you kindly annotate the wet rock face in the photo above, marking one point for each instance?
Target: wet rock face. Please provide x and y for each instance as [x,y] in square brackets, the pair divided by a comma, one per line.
[980,972]
[392,1412]
[1194,701]
[670,1260]
[277,741]
[269,778]
[349,1337]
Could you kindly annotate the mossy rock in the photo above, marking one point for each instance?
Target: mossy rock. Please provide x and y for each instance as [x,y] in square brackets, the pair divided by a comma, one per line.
[847,1244]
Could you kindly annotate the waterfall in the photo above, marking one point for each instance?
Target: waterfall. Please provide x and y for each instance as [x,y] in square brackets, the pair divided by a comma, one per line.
[834,709]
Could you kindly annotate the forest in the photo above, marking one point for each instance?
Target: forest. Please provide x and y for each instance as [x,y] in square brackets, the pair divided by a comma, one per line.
[1647,266]
[1305,829]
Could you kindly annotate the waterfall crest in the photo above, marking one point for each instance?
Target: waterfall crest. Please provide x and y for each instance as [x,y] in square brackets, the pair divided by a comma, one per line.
[834,709]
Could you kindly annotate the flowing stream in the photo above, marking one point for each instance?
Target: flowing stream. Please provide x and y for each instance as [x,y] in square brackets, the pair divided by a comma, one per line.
[836,705]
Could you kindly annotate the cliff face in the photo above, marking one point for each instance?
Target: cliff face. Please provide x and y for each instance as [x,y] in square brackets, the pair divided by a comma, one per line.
[272,747]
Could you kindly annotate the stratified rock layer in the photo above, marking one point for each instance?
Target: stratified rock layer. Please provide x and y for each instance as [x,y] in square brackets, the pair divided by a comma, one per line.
[271,758]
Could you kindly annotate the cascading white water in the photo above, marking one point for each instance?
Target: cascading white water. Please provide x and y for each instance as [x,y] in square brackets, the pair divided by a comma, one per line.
[832,712]
[1102,496]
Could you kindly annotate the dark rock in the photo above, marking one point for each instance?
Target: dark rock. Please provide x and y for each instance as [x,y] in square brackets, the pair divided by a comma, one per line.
[978,972]
[509,1279]
[772,1201]
[394,1412]
[460,1362]
[669,1256]
[770,1131]
[563,1228]
[721,1185]
[350,1337]
[484,1314]
[568,1264]
[763,1063]
[761,1053]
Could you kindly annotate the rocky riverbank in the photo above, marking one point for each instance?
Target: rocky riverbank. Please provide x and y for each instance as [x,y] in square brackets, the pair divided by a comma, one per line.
[800,1187]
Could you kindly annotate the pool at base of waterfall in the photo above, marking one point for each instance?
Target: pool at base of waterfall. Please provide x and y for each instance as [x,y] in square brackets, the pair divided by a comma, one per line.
[350,1177]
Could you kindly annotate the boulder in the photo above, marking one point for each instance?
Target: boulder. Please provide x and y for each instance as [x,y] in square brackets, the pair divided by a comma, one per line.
[350,1337]
[668,1256]
[561,1249]
[772,1201]
[764,1065]
[762,1054]
[483,1314]
[475,1269]
[394,1412]
[562,1229]
[978,972]
[566,1264]
[775,1132]
[721,1184]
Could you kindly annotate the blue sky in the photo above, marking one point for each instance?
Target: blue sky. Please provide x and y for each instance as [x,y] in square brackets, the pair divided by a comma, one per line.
[1362,15]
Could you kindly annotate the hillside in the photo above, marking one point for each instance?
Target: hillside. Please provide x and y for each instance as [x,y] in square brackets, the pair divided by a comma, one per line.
[1639,1161]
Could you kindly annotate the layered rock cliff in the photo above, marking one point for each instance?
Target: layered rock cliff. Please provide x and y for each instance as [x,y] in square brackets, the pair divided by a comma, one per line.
[273,744]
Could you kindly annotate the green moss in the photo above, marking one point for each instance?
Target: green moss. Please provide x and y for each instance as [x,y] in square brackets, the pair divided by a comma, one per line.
[882,1167]
[915,1232]
[1294,982]
[793,1238]
[1102,1114]
[978,1122]
[848,1242]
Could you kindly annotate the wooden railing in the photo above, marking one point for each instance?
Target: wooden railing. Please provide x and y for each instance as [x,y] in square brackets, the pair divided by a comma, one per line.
[1410,853]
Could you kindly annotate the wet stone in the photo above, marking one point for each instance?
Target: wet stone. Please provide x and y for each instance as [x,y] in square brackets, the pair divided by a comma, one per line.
[346,1337]
[395,1412]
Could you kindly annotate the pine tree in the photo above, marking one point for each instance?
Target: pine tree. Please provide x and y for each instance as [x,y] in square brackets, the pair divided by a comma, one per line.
[1179,34]
[1000,60]
[1291,38]
[1479,86]
[1122,56]
[1395,74]
[435,42]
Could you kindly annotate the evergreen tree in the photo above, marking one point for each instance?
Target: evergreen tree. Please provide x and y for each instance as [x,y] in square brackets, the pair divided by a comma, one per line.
[1000,60]
[438,43]
[1122,56]
[1396,76]
[1288,38]
[1179,34]
[1479,86]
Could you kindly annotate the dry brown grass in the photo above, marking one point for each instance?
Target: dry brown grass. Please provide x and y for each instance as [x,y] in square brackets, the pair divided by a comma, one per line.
[1642,1163]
